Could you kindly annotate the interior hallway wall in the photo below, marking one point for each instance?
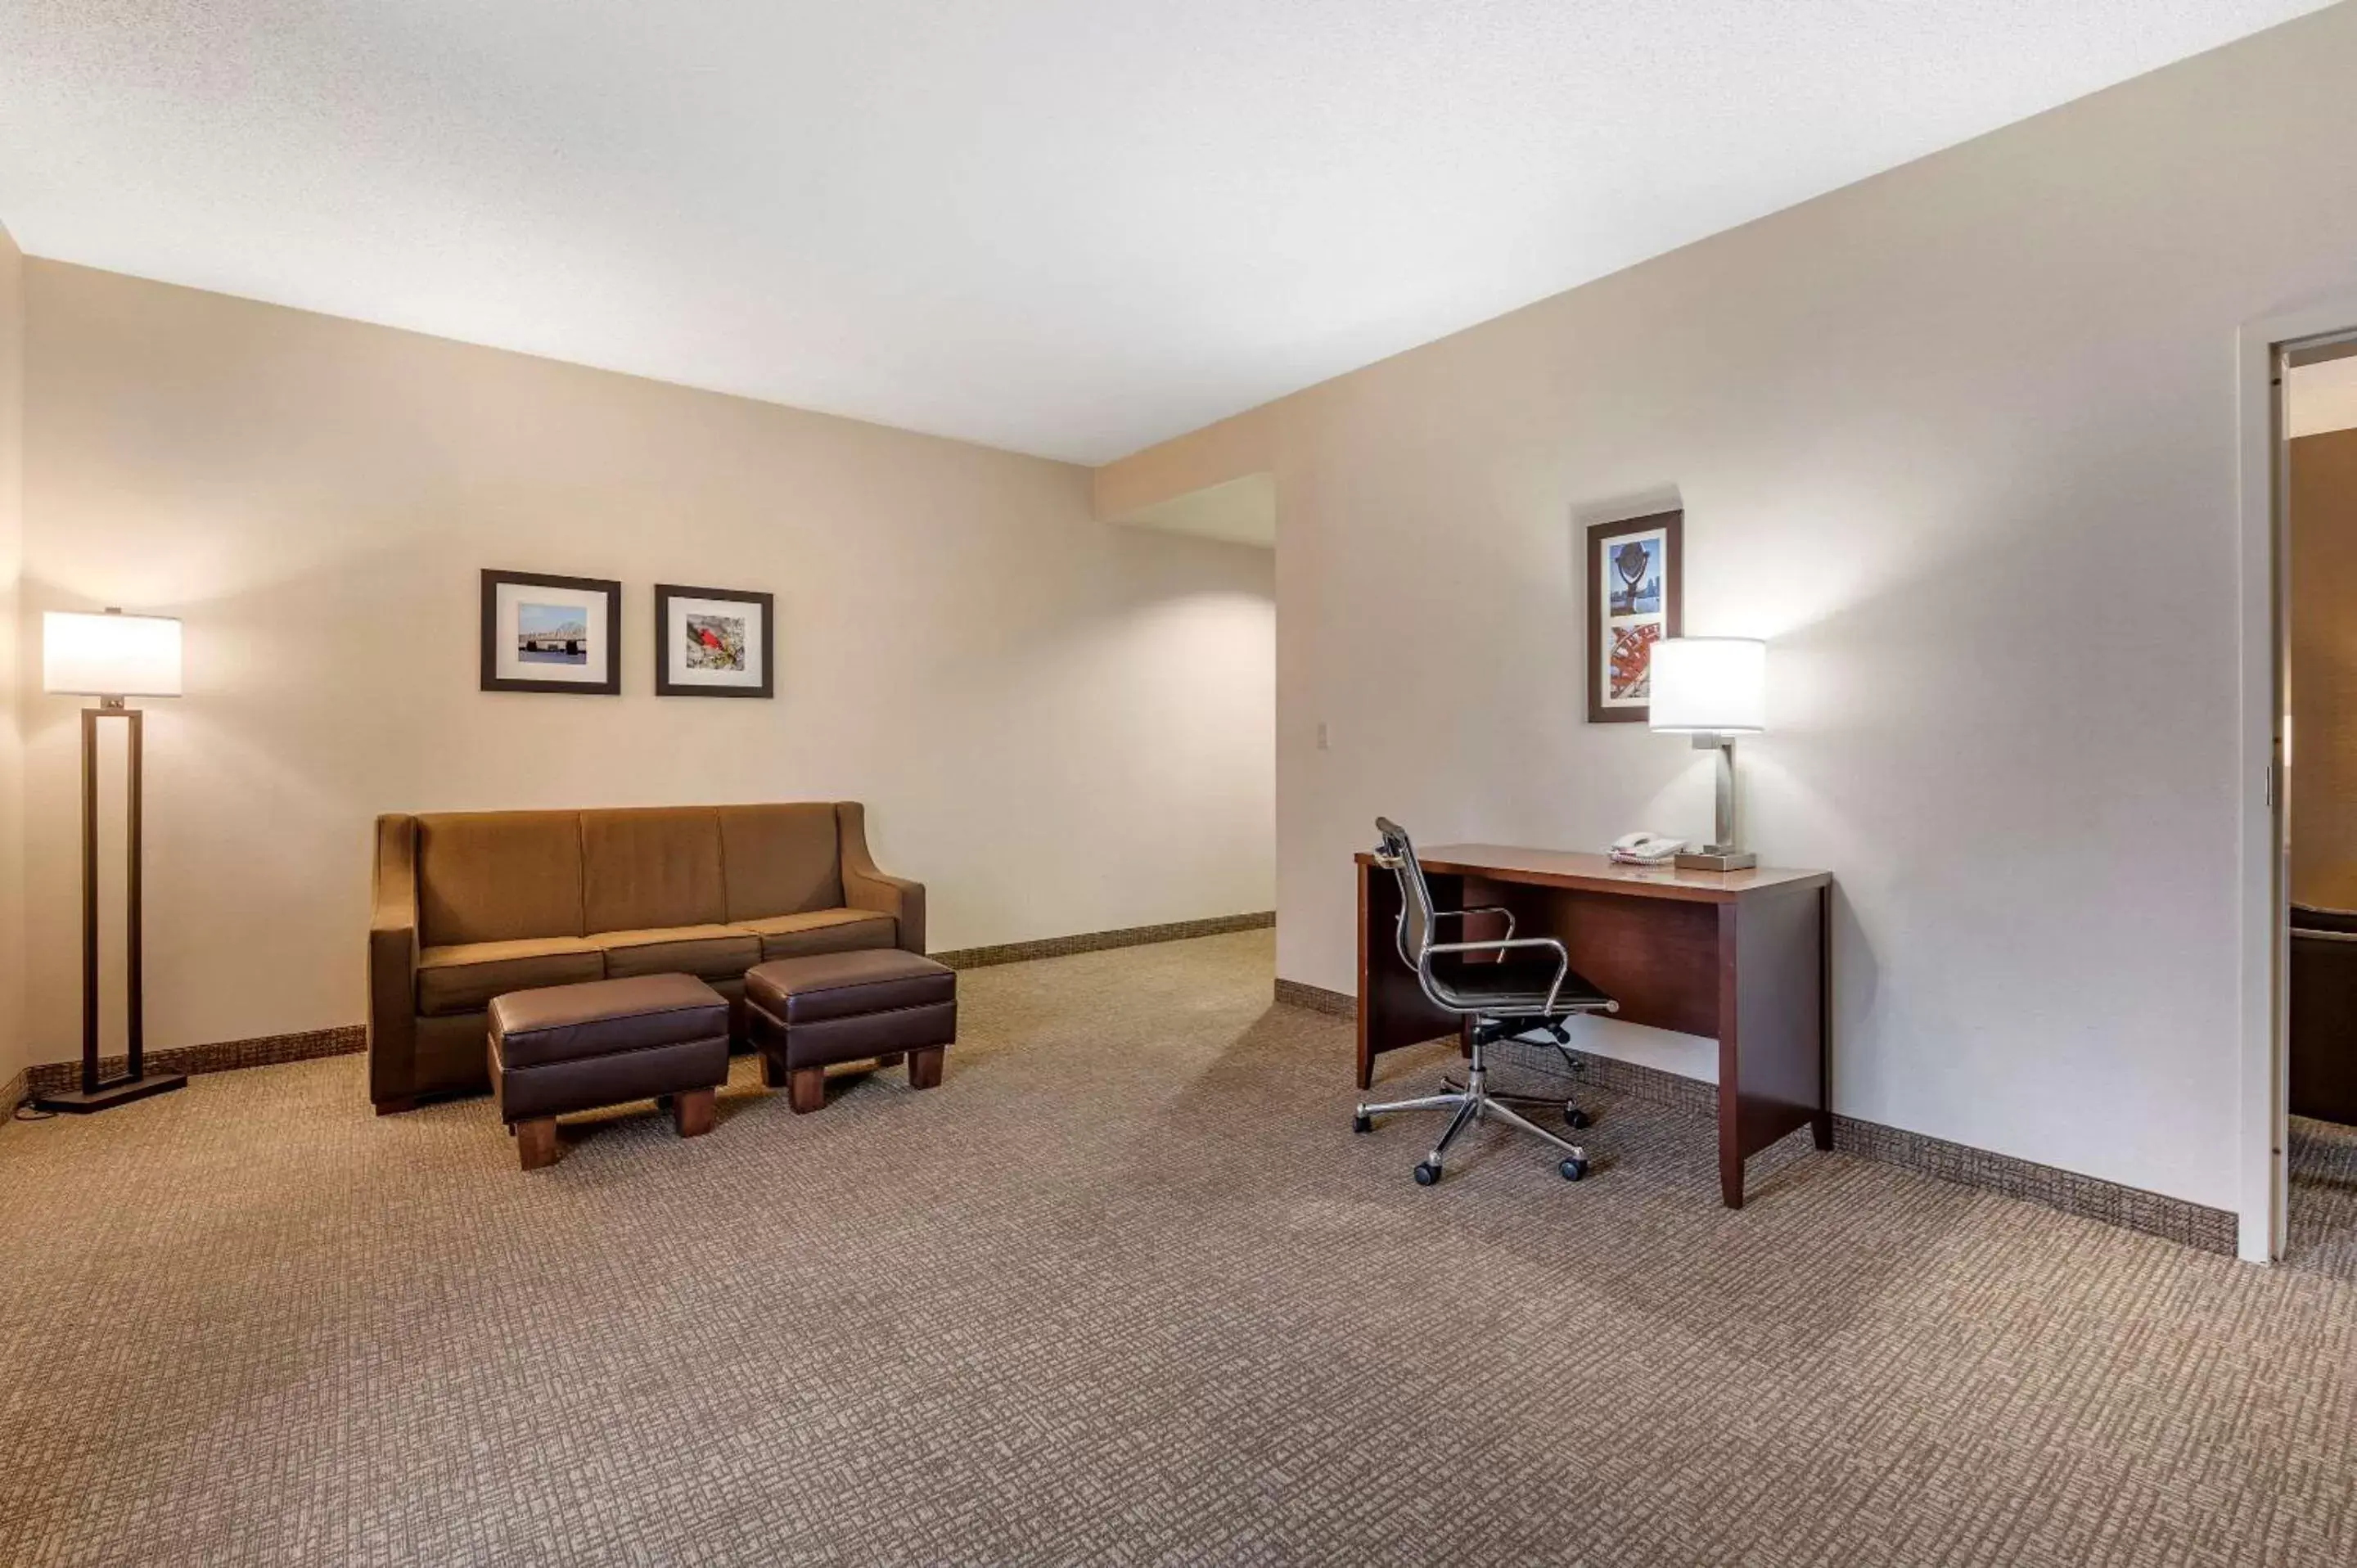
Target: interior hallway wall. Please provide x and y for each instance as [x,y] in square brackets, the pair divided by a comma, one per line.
[1059,724]
[1962,441]
[14,1051]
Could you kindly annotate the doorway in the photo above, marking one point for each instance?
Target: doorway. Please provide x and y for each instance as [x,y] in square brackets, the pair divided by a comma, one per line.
[2315,489]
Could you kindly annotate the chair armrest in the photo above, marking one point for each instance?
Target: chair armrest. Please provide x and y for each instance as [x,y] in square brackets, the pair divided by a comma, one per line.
[1484,909]
[1562,958]
[393,961]
[865,888]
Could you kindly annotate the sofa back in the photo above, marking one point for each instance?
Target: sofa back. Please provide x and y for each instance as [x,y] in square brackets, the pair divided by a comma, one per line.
[495,877]
[488,876]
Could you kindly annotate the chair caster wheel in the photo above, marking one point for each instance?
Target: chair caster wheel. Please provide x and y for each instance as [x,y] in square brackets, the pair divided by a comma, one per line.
[1426,1174]
[1574,1117]
[1363,1123]
[1573,1169]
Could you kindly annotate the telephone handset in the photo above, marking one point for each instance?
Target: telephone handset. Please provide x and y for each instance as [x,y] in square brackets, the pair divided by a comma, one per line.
[1645,849]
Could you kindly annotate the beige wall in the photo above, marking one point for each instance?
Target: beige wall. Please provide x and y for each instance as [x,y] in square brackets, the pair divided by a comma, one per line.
[1059,724]
[14,1050]
[1961,440]
[2323,630]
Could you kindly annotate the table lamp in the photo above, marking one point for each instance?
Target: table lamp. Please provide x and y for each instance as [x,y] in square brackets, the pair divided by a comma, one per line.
[110,657]
[1714,689]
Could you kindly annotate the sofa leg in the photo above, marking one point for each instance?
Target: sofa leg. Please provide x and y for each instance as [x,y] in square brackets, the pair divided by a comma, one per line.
[925,1067]
[536,1141]
[395,1107]
[806,1089]
[773,1073]
[692,1112]
[893,1061]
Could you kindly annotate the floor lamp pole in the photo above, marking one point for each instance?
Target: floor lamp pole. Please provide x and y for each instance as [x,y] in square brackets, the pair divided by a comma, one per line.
[98,1093]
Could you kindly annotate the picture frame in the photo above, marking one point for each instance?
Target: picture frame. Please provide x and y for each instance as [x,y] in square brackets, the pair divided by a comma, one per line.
[1636,593]
[714,642]
[552,634]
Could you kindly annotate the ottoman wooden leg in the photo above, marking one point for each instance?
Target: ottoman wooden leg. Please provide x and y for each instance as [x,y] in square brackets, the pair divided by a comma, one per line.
[806,1089]
[692,1112]
[925,1067]
[536,1141]
[893,1061]
[773,1073]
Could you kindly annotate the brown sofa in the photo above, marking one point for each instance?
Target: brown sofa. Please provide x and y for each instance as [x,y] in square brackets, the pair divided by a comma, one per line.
[470,905]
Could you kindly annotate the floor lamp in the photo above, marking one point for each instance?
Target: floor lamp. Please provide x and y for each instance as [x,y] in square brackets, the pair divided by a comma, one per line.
[110,657]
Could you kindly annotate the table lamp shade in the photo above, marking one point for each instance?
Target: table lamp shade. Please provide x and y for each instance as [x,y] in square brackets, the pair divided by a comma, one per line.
[110,655]
[1709,685]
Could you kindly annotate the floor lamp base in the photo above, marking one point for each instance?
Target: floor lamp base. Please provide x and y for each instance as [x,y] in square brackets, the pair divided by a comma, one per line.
[107,1096]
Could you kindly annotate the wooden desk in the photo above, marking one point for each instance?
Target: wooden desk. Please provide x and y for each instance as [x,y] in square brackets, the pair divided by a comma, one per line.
[1742,956]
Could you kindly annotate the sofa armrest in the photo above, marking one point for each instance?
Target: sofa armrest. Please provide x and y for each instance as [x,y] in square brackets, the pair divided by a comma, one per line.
[865,887]
[392,965]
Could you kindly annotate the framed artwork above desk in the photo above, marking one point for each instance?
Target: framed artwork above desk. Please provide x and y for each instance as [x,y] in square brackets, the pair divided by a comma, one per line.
[1742,957]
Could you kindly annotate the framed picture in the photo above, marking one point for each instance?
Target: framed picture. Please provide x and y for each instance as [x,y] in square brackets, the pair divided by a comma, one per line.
[713,642]
[1635,582]
[552,634]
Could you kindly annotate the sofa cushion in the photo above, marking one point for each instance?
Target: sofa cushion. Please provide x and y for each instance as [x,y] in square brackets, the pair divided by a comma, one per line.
[463,977]
[781,860]
[645,869]
[495,877]
[822,930]
[708,952]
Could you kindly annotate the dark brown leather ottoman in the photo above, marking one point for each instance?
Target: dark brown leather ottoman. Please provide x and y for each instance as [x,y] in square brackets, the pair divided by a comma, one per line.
[575,1048]
[807,1013]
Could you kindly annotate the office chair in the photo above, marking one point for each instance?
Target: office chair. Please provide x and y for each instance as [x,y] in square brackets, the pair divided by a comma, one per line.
[1507,999]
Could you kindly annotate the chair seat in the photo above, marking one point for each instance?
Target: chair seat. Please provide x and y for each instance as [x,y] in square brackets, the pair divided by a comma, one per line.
[463,977]
[1515,986]
[708,952]
[822,931]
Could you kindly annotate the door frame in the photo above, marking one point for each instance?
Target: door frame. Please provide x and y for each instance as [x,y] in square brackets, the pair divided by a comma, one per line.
[2261,841]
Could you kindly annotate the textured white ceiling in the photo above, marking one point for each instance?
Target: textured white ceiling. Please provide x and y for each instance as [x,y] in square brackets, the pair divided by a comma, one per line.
[1069,226]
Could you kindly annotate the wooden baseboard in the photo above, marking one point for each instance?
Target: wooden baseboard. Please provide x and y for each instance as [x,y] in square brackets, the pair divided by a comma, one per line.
[1098,941]
[224,1056]
[2130,1208]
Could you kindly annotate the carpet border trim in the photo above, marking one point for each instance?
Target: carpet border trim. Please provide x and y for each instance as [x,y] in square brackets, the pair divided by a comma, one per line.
[270,1050]
[1099,941]
[222,1056]
[2194,1225]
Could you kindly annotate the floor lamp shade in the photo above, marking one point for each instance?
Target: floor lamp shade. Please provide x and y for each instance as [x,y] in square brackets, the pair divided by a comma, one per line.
[111,657]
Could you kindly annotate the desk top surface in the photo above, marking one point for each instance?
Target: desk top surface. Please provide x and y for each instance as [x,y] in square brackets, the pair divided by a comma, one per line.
[1568,868]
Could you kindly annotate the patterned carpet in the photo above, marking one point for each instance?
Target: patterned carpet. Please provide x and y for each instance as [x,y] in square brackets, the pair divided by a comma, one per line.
[1125,1290]
[2322,1235]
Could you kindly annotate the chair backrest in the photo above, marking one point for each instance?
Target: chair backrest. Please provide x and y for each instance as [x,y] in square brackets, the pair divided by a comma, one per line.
[1414,932]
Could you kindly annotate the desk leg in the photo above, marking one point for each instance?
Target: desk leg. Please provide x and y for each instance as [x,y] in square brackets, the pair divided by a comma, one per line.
[1771,1026]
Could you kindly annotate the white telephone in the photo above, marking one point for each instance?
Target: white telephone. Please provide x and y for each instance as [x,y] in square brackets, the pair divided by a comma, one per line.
[1645,849]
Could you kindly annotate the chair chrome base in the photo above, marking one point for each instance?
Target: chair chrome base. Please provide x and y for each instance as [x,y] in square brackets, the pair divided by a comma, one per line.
[1473,1103]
